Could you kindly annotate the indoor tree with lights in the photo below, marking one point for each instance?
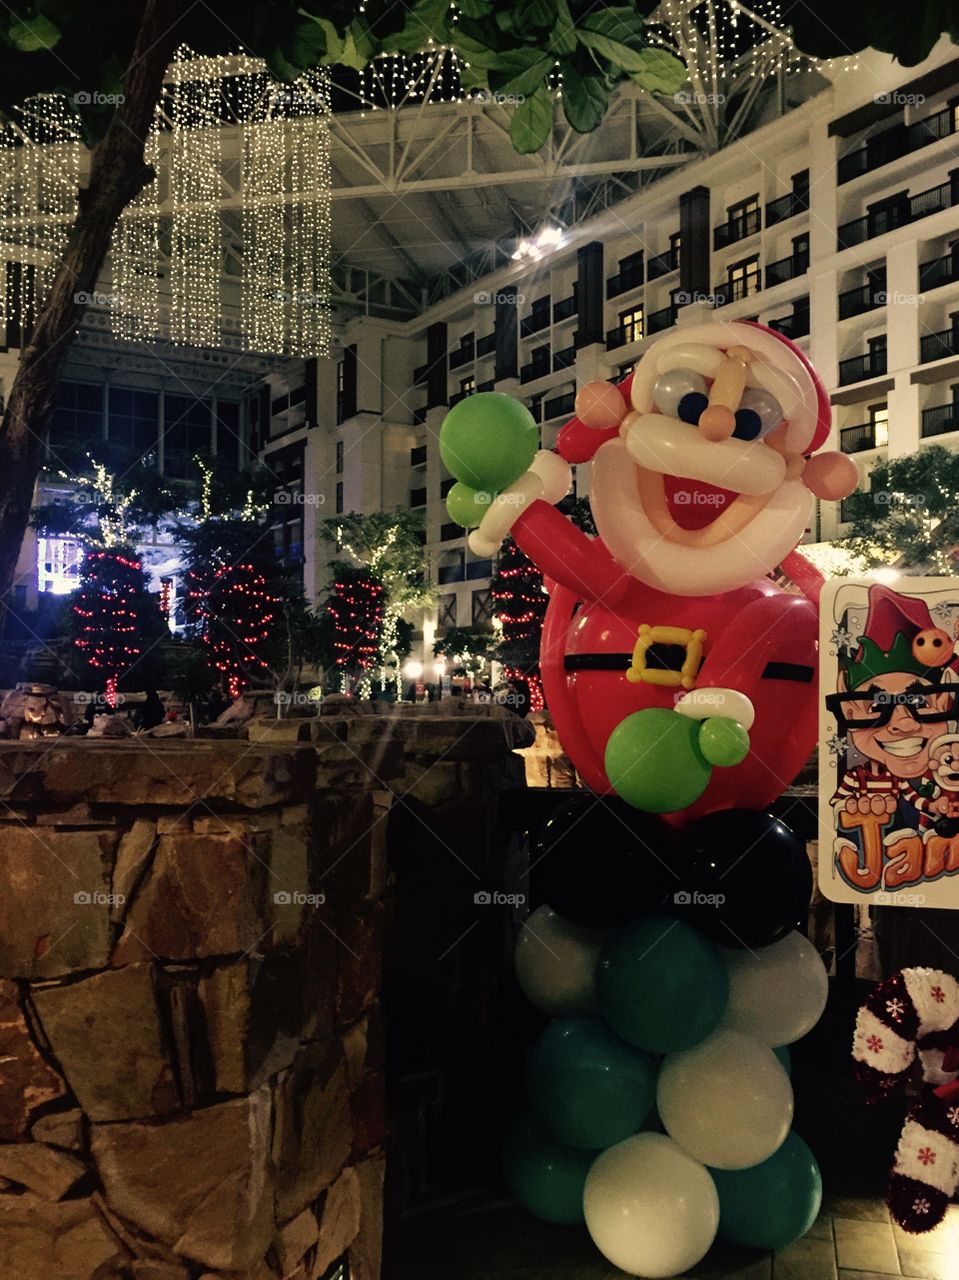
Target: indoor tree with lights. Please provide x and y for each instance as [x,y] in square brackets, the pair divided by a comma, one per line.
[517,589]
[116,620]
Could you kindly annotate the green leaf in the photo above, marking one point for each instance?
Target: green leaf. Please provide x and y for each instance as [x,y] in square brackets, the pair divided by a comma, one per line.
[662,72]
[470,41]
[29,35]
[472,77]
[475,8]
[532,121]
[563,37]
[520,71]
[333,41]
[585,99]
[624,25]
[428,20]
[531,16]
[620,55]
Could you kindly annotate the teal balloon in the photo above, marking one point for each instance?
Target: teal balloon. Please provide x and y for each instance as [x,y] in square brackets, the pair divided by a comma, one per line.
[654,762]
[588,1087]
[545,1177]
[774,1203]
[488,440]
[785,1057]
[661,985]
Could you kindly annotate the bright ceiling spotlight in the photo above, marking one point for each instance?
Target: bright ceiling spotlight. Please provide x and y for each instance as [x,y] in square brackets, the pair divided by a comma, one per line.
[546,238]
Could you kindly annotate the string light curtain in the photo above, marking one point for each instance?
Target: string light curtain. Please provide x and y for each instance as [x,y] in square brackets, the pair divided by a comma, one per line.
[40,153]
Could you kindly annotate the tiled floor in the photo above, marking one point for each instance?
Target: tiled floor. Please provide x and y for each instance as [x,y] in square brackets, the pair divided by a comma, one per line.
[852,1240]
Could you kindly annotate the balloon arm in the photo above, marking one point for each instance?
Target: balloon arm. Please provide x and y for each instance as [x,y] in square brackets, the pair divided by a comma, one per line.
[805,575]
[564,553]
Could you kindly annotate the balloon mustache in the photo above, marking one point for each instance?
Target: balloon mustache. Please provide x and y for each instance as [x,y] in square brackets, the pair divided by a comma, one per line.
[663,444]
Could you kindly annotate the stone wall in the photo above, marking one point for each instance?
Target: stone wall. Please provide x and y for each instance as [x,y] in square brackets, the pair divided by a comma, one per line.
[191,1051]
[192,941]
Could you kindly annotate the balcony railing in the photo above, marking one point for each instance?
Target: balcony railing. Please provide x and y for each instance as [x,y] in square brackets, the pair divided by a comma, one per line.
[786,269]
[460,395]
[418,456]
[536,320]
[622,334]
[536,409]
[855,302]
[488,385]
[859,368]
[462,355]
[565,308]
[786,207]
[936,346]
[855,439]
[563,359]
[661,265]
[629,277]
[559,406]
[893,143]
[657,321]
[938,271]
[737,228]
[940,419]
[478,569]
[486,345]
[911,209]
[538,367]
[795,325]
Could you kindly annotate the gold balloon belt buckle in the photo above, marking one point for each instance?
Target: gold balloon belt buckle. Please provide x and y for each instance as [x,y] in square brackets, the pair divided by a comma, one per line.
[683,676]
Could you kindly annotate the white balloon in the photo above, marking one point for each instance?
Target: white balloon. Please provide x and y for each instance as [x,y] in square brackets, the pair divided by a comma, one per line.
[776,994]
[650,1208]
[728,1102]
[556,963]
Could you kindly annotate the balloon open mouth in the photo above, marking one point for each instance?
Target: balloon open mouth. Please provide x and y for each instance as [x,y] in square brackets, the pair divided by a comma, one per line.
[694,504]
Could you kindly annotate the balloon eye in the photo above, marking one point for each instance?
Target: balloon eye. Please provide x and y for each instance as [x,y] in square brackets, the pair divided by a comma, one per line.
[765,406]
[748,424]
[673,385]
[691,406]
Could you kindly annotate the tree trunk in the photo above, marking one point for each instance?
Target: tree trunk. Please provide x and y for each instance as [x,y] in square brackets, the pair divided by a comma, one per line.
[117,174]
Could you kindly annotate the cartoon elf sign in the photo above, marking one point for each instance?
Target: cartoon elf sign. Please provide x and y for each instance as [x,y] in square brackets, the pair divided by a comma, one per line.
[889,746]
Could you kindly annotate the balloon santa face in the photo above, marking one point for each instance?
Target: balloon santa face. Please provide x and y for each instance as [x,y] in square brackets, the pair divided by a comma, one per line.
[703,488]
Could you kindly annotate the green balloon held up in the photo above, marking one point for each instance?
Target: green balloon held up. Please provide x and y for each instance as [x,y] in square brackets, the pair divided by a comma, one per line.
[774,1203]
[467,506]
[488,440]
[654,762]
[589,1088]
[661,985]
[545,1177]
[723,741]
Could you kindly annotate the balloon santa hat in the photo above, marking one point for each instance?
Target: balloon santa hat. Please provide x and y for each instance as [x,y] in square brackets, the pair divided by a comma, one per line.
[702,484]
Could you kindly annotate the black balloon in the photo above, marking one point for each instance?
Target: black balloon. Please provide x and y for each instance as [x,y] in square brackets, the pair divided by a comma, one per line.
[600,863]
[747,879]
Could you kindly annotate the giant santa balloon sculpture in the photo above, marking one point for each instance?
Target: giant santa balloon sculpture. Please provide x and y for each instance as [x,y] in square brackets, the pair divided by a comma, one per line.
[682,681]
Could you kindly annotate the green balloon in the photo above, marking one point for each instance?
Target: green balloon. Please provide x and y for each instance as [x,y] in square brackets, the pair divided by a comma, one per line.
[467,506]
[545,1177]
[654,763]
[661,985]
[785,1057]
[488,440]
[774,1203]
[589,1088]
[723,741]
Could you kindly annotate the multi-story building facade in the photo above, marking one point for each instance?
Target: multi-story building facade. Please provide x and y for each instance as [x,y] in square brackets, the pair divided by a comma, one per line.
[835,221]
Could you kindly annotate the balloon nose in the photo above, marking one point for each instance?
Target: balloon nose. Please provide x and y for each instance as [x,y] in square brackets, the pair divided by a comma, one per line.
[716,423]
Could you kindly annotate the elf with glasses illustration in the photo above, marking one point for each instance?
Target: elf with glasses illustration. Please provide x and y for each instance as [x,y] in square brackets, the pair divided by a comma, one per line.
[898,692]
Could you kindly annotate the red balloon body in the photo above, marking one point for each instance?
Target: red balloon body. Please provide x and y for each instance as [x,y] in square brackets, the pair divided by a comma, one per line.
[759,640]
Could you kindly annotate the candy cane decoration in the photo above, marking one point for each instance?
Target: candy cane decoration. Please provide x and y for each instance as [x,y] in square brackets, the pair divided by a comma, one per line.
[914,1016]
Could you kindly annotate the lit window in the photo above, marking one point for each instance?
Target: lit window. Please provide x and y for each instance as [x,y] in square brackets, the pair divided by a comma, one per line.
[58,564]
[467,386]
[744,279]
[631,324]
[879,417]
